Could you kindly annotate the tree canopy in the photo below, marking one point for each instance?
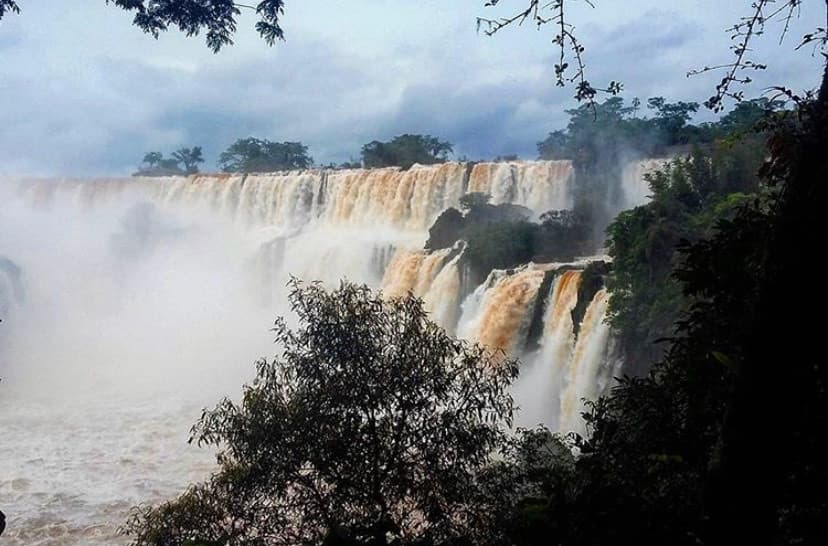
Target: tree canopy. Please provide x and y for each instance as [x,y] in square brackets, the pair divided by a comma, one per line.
[261,155]
[218,19]
[369,427]
[182,161]
[189,158]
[406,150]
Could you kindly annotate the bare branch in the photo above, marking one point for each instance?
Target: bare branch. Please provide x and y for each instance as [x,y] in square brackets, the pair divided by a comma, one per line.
[569,47]
[743,33]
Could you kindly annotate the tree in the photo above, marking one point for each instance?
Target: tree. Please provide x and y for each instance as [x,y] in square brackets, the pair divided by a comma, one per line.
[217,18]
[554,146]
[474,200]
[671,118]
[257,155]
[190,158]
[8,6]
[368,428]
[155,164]
[153,159]
[406,150]
[747,486]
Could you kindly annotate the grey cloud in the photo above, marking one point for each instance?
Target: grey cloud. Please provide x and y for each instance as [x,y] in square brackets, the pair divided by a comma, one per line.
[95,106]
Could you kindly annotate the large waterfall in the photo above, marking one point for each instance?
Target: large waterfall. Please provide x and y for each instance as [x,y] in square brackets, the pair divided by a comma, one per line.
[133,302]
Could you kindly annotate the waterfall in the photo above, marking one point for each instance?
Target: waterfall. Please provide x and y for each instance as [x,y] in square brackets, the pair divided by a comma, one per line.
[368,225]
[403,200]
[540,385]
[634,184]
[538,185]
[434,277]
[133,302]
[587,372]
[500,311]
[412,271]
[409,199]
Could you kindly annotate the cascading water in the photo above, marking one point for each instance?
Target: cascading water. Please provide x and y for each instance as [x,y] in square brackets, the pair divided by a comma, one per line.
[498,316]
[588,373]
[434,277]
[634,183]
[148,298]
[538,185]
[540,384]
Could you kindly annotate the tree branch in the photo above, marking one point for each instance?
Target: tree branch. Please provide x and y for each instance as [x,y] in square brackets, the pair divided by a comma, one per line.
[568,44]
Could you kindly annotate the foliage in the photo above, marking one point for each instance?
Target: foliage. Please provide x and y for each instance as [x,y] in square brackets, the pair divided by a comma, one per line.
[189,158]
[368,428]
[689,196]
[182,161]
[535,471]
[7,6]
[474,200]
[350,164]
[601,138]
[562,235]
[155,164]
[506,158]
[672,118]
[218,19]
[257,155]
[406,150]
[501,236]
[499,245]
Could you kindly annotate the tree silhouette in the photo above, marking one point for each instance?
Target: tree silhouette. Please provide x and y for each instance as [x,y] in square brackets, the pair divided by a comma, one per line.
[218,19]
[368,428]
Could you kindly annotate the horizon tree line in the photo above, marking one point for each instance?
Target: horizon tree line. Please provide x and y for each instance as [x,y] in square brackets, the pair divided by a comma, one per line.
[589,128]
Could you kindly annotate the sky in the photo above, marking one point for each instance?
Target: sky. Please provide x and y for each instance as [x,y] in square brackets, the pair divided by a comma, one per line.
[85,93]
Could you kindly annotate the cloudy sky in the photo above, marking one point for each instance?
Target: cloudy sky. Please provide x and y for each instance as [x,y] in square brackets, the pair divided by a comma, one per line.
[82,92]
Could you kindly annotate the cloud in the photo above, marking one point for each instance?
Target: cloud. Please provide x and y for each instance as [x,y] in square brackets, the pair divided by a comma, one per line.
[92,102]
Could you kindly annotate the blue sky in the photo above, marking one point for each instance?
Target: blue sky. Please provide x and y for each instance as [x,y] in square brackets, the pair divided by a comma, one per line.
[83,93]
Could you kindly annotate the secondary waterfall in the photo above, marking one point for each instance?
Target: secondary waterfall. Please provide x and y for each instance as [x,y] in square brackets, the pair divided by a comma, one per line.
[145,299]
[590,368]
[634,184]
[498,313]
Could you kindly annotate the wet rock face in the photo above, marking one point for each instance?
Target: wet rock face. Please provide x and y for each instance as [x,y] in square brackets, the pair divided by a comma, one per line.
[446,230]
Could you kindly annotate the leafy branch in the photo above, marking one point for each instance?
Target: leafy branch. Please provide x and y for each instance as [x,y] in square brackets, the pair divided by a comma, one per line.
[8,6]
[569,47]
[218,18]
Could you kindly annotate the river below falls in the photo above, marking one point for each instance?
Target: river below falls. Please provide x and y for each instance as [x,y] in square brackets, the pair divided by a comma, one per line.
[70,471]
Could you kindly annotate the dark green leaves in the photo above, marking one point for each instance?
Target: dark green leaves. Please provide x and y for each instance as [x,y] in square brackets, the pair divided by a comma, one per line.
[182,161]
[262,155]
[406,150]
[216,18]
[8,6]
[370,424]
